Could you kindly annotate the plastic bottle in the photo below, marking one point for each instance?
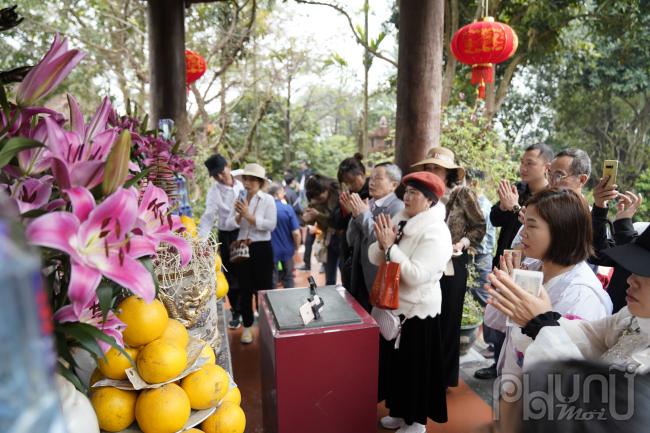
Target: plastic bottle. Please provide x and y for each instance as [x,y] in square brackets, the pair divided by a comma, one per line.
[28,399]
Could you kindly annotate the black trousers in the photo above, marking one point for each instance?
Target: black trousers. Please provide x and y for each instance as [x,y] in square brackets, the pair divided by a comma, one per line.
[453,296]
[411,378]
[225,238]
[254,274]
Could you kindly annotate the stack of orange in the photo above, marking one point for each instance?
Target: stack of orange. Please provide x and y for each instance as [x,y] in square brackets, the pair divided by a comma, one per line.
[158,344]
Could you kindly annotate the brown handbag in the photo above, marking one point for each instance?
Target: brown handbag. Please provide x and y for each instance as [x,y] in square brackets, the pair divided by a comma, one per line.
[385,288]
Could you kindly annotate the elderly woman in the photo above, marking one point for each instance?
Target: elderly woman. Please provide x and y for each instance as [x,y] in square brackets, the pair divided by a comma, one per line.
[384,180]
[255,215]
[467,226]
[411,378]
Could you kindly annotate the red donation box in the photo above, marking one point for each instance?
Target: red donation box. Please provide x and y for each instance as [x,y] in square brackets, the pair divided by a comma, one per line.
[320,377]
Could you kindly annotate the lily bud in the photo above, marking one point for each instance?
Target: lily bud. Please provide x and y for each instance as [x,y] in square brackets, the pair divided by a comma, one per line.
[117,164]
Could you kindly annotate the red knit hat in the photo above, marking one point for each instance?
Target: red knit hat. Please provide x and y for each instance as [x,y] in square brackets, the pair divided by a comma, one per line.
[427,180]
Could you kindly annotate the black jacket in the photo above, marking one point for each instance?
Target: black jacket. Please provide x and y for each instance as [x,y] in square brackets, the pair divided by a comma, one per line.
[341,222]
[508,221]
[622,233]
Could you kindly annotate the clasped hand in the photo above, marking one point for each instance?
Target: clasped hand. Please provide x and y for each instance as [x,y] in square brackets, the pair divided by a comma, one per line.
[385,231]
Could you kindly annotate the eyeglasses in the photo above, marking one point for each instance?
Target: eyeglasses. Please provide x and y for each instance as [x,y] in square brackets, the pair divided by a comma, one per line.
[557,176]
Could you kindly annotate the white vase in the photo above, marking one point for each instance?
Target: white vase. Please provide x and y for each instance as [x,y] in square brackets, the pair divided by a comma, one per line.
[78,412]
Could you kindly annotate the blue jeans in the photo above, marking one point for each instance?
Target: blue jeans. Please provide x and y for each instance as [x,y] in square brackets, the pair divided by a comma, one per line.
[285,275]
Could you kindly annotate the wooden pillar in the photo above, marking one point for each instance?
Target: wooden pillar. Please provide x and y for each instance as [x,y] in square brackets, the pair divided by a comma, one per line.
[419,79]
[166,25]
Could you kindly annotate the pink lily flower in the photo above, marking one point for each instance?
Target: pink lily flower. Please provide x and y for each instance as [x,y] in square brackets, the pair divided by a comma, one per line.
[92,315]
[99,241]
[48,74]
[33,193]
[76,162]
[156,222]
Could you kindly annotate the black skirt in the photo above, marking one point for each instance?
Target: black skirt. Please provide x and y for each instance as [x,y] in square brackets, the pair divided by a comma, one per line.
[411,378]
[453,295]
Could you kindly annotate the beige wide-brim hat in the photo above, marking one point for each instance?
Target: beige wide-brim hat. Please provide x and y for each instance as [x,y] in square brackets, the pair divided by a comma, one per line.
[254,170]
[442,157]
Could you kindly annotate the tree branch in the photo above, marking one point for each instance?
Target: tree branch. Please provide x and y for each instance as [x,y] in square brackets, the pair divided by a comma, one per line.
[357,36]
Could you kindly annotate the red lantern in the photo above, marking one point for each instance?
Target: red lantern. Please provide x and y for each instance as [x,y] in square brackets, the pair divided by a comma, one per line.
[195,66]
[483,44]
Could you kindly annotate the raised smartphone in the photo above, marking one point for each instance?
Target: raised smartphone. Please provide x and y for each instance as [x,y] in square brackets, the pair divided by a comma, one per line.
[610,168]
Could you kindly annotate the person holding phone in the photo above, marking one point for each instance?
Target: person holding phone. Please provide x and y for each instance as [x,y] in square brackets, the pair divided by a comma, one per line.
[256,216]
[610,234]
[219,202]
[621,340]
[557,232]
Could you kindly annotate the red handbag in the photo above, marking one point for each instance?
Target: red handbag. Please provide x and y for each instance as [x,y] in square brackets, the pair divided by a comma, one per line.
[385,288]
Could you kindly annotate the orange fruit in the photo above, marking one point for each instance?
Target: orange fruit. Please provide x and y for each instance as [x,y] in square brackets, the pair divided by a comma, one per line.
[176,333]
[115,365]
[95,377]
[208,352]
[160,361]
[162,410]
[229,418]
[115,408]
[222,285]
[206,387]
[190,225]
[232,396]
[144,321]
[193,430]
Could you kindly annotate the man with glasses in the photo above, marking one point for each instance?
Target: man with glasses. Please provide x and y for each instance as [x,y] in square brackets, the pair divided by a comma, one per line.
[570,169]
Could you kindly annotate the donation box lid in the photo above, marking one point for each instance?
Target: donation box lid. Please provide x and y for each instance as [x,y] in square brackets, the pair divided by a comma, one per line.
[285,305]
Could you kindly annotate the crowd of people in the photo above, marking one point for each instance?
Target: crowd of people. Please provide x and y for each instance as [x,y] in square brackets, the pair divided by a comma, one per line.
[438,224]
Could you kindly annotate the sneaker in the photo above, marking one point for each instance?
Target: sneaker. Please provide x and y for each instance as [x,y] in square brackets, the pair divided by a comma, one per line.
[391,423]
[416,427]
[486,373]
[304,268]
[247,335]
[235,322]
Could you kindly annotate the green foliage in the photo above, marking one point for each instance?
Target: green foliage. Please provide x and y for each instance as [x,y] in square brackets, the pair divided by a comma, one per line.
[472,311]
[477,146]
[642,186]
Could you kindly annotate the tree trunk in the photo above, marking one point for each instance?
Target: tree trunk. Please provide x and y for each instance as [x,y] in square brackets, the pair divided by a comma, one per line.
[287,132]
[419,80]
[450,60]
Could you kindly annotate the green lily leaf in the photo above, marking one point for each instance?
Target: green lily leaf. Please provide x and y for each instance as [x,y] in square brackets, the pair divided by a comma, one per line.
[13,146]
[135,179]
[105,293]
[69,374]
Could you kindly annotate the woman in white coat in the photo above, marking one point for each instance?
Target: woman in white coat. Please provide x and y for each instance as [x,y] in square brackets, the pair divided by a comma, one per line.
[621,340]
[411,377]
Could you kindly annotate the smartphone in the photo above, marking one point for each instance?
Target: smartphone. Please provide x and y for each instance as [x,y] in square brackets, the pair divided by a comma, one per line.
[610,168]
[242,195]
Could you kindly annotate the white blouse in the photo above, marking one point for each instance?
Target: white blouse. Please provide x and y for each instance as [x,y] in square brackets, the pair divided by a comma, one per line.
[218,205]
[577,294]
[262,205]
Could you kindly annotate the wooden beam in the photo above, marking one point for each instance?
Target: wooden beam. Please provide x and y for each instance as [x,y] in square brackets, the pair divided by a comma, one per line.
[166,28]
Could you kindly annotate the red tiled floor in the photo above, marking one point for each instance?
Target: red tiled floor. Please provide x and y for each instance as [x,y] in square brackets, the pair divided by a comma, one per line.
[467,412]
